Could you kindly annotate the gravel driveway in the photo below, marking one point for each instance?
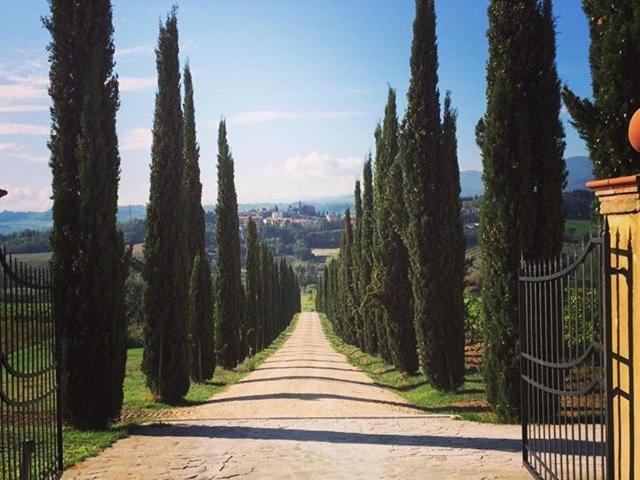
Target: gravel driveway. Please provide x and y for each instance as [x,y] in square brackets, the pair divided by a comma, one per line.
[306,413]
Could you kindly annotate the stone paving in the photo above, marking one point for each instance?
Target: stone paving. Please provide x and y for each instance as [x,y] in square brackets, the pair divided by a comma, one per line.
[307,413]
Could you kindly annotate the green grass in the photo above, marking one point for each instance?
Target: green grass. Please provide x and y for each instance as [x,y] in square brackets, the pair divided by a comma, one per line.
[309,301]
[578,230]
[467,403]
[139,405]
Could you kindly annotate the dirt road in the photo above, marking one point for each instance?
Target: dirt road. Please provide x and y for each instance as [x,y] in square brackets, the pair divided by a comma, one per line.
[307,413]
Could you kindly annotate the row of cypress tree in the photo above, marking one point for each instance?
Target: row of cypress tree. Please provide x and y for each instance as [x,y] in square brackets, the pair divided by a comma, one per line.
[90,264]
[182,340]
[396,288]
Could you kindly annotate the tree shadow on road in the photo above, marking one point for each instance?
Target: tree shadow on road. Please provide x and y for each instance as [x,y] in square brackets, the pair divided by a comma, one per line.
[327,436]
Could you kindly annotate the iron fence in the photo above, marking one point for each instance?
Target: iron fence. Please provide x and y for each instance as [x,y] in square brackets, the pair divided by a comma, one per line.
[563,317]
[30,419]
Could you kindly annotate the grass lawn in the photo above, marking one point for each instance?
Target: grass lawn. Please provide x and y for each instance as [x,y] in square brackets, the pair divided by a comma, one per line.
[139,405]
[468,403]
[309,301]
[578,230]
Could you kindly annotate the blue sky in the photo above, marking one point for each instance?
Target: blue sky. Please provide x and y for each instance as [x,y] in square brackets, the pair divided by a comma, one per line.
[301,83]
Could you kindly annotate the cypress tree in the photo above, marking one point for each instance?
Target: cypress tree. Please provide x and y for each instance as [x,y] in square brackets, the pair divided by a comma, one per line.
[378,225]
[89,264]
[356,268]
[252,266]
[522,144]
[391,285]
[432,202]
[345,282]
[548,169]
[202,348]
[203,355]
[370,341]
[615,73]
[264,296]
[166,360]
[229,286]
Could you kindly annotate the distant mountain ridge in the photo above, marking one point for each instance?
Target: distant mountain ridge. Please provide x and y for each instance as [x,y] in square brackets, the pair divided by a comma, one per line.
[580,170]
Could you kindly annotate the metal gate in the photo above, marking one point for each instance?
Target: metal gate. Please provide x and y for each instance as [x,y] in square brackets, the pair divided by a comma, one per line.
[563,314]
[30,417]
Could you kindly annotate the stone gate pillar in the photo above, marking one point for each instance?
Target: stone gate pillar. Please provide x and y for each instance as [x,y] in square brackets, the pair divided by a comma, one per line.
[619,200]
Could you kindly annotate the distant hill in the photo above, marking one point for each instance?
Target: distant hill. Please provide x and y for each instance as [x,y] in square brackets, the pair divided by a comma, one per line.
[471,183]
[579,168]
[580,171]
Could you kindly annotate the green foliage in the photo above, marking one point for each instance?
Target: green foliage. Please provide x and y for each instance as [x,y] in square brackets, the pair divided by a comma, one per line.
[201,326]
[390,288]
[433,233]
[369,330]
[134,304]
[228,281]
[522,143]
[167,265]
[89,263]
[615,77]
[252,278]
[474,323]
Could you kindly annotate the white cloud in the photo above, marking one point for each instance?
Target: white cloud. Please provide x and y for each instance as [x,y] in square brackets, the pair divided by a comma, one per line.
[137,139]
[23,129]
[22,91]
[134,84]
[319,166]
[26,198]
[20,108]
[19,152]
[265,116]
[127,52]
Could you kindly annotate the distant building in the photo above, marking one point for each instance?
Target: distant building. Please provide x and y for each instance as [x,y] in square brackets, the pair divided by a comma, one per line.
[331,217]
[277,215]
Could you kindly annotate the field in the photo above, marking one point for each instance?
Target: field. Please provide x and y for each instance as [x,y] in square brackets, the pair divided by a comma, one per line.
[325,252]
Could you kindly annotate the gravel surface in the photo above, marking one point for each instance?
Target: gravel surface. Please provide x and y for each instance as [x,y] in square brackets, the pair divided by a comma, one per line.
[307,413]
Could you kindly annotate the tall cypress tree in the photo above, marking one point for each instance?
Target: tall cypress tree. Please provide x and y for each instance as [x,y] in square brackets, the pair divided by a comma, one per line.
[203,355]
[356,268]
[89,264]
[615,77]
[431,202]
[166,360]
[391,285]
[200,287]
[264,296]
[377,240]
[229,283]
[522,145]
[453,263]
[370,340]
[345,280]
[548,169]
[252,266]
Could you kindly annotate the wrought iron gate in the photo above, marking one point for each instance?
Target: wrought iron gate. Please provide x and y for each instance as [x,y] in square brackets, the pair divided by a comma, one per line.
[30,419]
[563,314]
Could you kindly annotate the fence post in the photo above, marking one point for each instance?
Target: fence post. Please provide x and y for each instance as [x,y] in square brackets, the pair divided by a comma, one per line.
[619,200]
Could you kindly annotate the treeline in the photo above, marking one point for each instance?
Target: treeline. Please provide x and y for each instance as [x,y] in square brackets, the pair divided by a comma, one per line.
[193,317]
[396,288]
